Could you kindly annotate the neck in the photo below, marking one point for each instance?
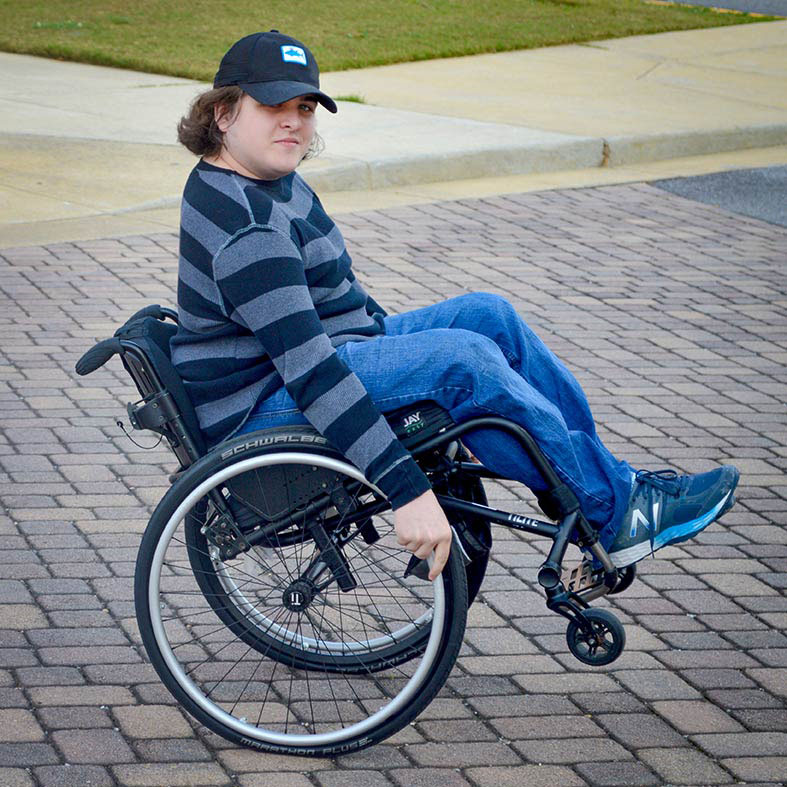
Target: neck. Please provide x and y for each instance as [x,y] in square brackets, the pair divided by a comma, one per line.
[224,160]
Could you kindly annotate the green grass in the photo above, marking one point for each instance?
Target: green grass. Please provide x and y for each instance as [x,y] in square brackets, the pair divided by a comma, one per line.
[188,38]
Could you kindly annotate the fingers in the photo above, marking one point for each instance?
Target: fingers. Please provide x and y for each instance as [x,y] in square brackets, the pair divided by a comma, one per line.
[421,528]
[441,553]
[422,549]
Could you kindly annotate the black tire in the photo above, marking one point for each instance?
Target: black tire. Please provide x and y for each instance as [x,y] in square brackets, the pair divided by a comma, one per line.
[232,607]
[604,645]
[390,642]
[625,577]
[253,622]
[474,531]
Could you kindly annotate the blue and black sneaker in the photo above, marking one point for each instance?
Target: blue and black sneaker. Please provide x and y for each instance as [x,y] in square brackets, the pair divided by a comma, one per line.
[666,508]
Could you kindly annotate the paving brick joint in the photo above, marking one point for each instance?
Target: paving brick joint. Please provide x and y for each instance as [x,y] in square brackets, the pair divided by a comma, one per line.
[672,315]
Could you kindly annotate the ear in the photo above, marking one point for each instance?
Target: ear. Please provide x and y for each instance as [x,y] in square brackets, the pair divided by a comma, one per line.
[224,115]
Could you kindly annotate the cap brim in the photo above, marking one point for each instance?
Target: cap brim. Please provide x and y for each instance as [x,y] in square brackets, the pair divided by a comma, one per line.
[278,92]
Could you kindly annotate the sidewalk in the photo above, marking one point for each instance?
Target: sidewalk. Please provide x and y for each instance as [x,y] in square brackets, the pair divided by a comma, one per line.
[671,313]
[90,152]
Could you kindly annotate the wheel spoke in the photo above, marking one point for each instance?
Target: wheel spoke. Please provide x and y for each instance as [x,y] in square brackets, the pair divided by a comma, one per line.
[318,664]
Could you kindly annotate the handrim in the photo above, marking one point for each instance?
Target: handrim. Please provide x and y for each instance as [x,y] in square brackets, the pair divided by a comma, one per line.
[397,703]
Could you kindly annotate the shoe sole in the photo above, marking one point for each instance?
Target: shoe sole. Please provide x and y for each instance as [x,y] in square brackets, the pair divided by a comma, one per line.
[672,535]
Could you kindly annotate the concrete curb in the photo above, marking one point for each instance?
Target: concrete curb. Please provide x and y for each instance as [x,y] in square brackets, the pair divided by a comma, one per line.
[335,173]
[455,165]
[637,149]
[579,153]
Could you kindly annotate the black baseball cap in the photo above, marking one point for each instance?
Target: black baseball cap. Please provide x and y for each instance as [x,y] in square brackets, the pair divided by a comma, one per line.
[272,68]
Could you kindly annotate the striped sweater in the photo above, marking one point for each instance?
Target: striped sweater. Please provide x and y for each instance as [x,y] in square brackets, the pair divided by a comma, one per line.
[265,295]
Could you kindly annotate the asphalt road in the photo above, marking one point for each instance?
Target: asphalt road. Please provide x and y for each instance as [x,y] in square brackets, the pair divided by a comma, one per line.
[771,7]
[761,193]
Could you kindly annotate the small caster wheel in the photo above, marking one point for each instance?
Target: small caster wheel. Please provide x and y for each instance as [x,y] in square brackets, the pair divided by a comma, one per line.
[604,645]
[625,577]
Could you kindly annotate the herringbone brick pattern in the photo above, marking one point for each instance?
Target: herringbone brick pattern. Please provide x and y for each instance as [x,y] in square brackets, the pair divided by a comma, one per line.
[671,313]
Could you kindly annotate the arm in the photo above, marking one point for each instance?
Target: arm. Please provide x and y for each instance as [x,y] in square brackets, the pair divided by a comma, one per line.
[262,280]
[372,307]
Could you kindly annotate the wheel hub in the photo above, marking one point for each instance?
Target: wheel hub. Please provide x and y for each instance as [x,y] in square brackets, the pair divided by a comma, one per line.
[298,595]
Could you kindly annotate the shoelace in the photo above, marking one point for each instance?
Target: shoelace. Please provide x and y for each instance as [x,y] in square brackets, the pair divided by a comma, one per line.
[667,481]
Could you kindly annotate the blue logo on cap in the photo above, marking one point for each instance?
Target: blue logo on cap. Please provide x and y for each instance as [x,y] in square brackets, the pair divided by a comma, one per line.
[293,54]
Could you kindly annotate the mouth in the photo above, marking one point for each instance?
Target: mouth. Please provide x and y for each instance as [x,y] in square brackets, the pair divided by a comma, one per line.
[288,142]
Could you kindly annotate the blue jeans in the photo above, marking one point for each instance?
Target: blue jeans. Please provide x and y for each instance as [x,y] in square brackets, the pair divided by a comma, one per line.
[475,356]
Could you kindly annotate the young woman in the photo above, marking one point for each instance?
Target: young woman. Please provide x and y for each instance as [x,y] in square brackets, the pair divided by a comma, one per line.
[275,330]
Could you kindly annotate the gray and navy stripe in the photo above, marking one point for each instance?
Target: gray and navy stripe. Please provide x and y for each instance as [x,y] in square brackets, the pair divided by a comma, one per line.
[265,294]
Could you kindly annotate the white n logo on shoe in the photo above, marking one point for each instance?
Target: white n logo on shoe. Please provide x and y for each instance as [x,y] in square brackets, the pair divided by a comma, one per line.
[638,518]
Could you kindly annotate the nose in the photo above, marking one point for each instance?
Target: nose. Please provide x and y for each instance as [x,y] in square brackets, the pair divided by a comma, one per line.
[290,118]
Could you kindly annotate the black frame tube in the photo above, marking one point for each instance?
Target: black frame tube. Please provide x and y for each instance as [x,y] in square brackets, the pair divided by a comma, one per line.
[505,518]
[190,452]
[494,422]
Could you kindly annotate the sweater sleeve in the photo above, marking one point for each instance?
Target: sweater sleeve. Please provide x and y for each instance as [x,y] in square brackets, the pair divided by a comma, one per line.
[372,307]
[261,278]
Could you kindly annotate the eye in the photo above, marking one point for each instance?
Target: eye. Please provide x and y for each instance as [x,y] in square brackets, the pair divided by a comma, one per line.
[308,107]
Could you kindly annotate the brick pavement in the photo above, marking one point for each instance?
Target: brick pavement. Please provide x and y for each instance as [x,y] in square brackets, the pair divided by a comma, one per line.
[671,313]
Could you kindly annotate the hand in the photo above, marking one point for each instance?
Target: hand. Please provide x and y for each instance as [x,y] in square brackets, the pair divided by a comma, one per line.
[421,527]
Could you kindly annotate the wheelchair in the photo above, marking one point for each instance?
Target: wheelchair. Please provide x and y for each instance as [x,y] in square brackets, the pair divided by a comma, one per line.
[272,597]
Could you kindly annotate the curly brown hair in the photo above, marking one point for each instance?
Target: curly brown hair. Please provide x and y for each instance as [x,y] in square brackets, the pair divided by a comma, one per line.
[199,132]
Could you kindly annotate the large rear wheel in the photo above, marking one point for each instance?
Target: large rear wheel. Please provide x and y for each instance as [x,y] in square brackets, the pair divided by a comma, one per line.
[311,641]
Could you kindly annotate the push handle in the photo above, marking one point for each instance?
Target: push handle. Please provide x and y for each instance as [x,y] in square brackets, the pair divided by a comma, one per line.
[97,356]
[159,312]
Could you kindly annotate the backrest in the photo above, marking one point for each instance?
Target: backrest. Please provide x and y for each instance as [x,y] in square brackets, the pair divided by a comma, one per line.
[152,368]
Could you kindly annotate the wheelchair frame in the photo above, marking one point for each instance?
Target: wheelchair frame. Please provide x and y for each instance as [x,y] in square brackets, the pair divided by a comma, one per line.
[164,409]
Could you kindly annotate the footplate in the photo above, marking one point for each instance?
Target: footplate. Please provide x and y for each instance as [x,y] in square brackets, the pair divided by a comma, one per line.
[588,582]
[581,577]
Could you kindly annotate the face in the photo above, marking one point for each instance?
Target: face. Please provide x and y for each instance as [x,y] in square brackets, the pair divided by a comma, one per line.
[267,142]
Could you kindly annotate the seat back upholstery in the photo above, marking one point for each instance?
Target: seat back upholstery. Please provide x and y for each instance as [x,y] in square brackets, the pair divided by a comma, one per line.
[152,369]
